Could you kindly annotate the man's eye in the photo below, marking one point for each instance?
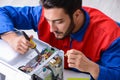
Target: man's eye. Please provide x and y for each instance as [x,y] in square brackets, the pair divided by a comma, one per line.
[59,22]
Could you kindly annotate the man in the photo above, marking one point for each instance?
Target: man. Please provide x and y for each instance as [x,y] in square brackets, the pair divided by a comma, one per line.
[90,39]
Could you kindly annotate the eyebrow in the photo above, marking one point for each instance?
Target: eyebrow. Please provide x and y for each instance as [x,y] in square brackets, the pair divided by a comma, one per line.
[54,20]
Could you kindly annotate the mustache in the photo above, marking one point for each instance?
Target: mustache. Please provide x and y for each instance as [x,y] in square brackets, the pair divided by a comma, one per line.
[57,32]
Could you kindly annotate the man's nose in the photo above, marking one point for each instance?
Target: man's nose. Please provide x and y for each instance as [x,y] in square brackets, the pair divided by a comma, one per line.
[52,27]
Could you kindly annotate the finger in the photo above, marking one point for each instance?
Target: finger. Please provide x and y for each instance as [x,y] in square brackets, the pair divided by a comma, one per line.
[72,51]
[31,37]
[24,43]
[71,60]
[19,50]
[65,55]
[24,47]
[22,50]
[72,56]
[71,65]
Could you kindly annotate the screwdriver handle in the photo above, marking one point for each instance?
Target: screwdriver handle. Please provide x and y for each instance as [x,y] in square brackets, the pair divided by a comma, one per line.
[31,41]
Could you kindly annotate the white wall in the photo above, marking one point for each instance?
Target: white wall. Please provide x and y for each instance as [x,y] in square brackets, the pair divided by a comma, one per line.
[109,7]
[19,2]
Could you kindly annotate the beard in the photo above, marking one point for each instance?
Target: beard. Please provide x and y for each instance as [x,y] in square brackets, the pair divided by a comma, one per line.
[68,32]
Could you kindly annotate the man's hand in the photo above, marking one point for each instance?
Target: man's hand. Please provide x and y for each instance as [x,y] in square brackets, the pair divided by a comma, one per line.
[18,43]
[78,60]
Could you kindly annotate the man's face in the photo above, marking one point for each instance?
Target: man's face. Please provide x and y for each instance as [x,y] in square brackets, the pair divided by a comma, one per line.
[60,23]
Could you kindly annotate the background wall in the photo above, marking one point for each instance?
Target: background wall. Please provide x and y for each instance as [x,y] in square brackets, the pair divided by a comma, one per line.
[19,2]
[109,7]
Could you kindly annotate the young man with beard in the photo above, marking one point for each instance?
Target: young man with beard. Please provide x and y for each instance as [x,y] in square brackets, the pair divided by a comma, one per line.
[89,38]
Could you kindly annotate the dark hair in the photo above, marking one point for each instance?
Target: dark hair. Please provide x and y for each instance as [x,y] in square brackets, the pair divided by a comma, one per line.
[69,6]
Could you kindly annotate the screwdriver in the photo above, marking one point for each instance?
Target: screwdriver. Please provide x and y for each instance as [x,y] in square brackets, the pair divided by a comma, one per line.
[32,42]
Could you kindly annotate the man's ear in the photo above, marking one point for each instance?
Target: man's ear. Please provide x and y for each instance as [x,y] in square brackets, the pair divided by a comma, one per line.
[77,14]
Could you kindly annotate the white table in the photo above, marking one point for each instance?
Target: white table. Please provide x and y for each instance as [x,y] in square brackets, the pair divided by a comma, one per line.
[73,74]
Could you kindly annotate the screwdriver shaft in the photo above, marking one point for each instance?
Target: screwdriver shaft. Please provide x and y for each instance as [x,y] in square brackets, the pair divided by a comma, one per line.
[37,51]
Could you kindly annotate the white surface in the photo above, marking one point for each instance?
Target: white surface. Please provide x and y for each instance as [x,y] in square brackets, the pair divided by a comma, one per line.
[72,74]
[109,7]
[6,52]
[19,2]
[12,73]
